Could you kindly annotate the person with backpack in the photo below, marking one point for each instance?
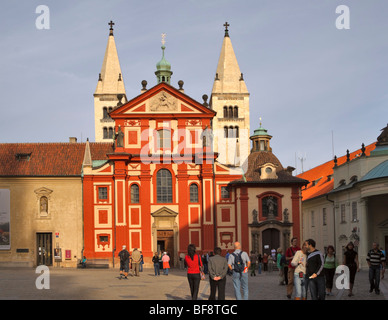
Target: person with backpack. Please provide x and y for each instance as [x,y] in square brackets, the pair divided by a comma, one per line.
[124,262]
[239,263]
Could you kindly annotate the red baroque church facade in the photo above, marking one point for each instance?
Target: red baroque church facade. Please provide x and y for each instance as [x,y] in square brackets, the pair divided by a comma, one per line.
[160,189]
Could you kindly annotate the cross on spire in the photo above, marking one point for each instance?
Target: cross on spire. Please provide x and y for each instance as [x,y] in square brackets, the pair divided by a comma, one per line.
[163,39]
[111,23]
[226,25]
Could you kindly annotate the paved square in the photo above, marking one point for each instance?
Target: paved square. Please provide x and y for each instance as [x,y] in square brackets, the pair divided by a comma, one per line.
[98,284]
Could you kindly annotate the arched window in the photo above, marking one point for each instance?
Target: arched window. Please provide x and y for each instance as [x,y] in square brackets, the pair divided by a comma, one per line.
[110,136]
[236,112]
[231,132]
[164,139]
[163,186]
[225,132]
[262,145]
[225,112]
[105,133]
[230,112]
[193,193]
[105,112]
[43,205]
[236,132]
[135,193]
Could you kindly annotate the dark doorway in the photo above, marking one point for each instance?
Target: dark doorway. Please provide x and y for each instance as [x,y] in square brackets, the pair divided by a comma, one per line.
[165,242]
[271,240]
[44,249]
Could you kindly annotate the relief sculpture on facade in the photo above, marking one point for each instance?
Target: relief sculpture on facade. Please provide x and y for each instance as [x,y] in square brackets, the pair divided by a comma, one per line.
[163,102]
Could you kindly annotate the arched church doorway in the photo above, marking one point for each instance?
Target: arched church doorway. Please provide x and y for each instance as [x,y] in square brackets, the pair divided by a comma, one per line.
[270,240]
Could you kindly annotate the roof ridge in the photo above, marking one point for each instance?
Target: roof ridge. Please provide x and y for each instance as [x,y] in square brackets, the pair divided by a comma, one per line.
[341,157]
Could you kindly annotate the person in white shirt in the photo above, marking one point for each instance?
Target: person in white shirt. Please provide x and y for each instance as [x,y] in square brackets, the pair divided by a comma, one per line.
[299,262]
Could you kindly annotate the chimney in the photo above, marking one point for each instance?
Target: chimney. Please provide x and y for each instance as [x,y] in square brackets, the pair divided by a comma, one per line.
[72,140]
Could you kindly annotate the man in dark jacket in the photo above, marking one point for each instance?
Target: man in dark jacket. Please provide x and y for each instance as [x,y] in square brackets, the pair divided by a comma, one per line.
[124,262]
[314,272]
[218,268]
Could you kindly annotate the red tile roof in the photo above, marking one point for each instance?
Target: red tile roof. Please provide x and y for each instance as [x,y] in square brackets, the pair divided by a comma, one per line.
[319,183]
[48,159]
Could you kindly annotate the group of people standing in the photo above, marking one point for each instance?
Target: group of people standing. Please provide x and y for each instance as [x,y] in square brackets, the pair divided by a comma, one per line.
[304,269]
[309,270]
[218,267]
[130,262]
[161,261]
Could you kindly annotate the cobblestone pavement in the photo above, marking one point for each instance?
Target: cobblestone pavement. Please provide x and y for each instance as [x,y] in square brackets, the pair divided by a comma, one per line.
[97,284]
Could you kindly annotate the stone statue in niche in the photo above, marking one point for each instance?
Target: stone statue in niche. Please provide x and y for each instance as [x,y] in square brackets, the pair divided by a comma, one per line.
[254,216]
[285,215]
[120,138]
[43,205]
[270,207]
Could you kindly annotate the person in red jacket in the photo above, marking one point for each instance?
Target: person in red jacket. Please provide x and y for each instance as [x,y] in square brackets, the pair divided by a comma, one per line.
[194,267]
[290,252]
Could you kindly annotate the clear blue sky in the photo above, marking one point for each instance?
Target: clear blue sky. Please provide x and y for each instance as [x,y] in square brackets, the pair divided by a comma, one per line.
[306,78]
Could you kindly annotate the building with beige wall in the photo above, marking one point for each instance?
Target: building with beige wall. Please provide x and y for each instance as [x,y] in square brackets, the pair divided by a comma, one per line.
[41,184]
[268,199]
[347,200]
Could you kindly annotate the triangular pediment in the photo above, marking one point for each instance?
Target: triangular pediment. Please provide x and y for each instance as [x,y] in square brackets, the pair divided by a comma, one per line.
[43,192]
[164,212]
[162,99]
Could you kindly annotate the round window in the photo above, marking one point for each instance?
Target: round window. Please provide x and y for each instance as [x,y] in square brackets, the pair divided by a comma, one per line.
[268,170]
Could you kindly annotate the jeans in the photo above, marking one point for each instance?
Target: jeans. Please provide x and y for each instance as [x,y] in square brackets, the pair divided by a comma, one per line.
[374,278]
[165,271]
[317,288]
[157,269]
[240,280]
[299,284]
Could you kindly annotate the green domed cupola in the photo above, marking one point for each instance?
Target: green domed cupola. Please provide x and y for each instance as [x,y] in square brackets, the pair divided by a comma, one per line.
[163,67]
[260,140]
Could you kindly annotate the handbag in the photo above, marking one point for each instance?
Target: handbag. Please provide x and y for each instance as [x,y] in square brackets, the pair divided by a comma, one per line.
[203,276]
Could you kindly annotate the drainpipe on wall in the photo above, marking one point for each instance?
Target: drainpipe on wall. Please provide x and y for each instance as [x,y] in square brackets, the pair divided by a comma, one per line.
[83,215]
[214,206]
[335,238]
[114,222]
